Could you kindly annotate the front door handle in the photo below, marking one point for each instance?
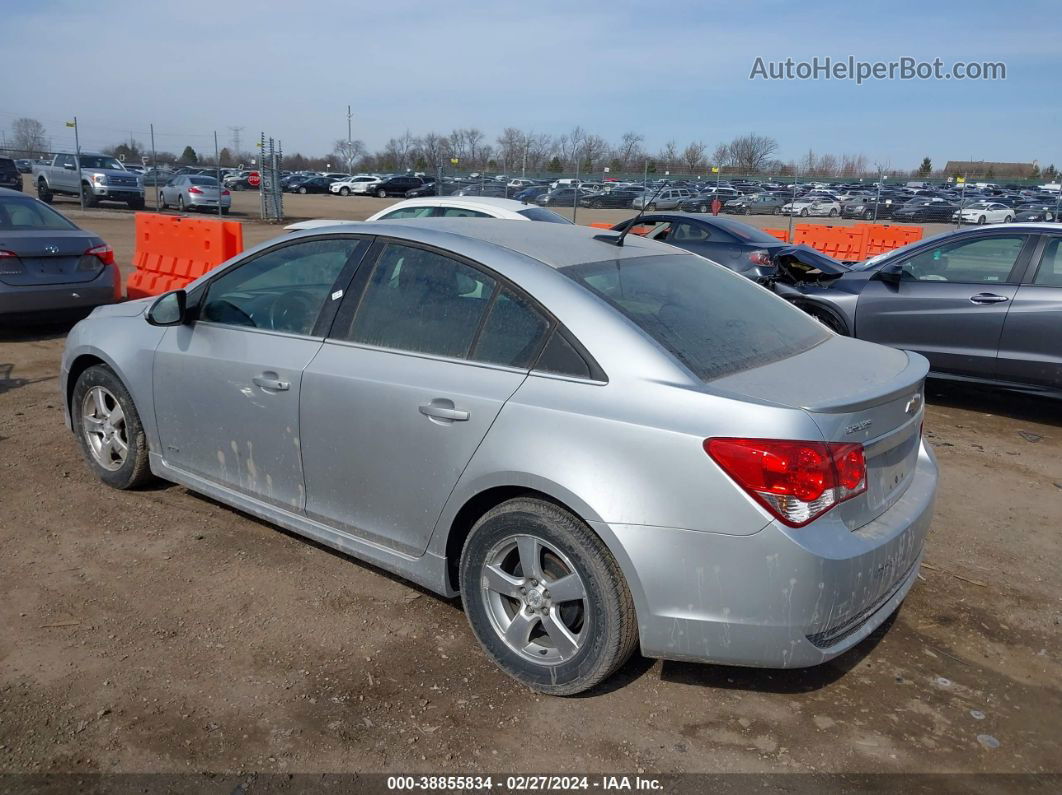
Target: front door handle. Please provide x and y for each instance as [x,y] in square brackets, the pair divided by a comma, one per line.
[271,382]
[444,410]
[987,298]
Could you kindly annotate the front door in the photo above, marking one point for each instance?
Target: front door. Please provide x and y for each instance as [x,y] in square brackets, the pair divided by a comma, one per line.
[227,386]
[397,401]
[950,302]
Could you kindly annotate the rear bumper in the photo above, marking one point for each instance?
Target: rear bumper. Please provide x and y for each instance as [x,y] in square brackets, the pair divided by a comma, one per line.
[781,598]
[75,297]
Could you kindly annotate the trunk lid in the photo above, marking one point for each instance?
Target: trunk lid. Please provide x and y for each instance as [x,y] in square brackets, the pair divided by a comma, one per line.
[855,392]
[54,257]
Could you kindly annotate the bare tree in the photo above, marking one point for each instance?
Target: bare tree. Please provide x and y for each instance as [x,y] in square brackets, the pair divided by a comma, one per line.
[472,138]
[722,156]
[693,155]
[629,148]
[568,145]
[537,147]
[434,148]
[752,152]
[348,151]
[29,137]
[399,151]
[593,150]
[669,154]
[511,148]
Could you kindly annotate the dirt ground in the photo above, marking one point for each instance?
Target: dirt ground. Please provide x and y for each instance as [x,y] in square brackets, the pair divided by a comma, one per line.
[159,631]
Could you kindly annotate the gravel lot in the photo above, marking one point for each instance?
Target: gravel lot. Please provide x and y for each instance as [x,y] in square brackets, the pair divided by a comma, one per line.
[160,631]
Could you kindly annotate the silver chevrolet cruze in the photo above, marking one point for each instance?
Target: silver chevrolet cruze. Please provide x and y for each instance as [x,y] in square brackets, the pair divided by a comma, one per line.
[599,446]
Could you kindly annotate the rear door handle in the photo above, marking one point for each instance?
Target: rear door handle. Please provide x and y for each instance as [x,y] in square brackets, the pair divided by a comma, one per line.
[442,409]
[271,382]
[987,298]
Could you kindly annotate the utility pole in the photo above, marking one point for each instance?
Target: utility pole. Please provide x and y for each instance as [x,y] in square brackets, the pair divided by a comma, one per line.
[236,141]
[350,151]
[77,149]
[217,165]
[154,167]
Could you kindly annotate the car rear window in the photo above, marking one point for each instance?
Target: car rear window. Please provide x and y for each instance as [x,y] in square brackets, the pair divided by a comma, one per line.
[712,320]
[542,214]
[19,213]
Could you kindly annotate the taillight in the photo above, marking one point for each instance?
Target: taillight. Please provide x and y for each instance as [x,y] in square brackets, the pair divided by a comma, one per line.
[759,257]
[795,481]
[10,264]
[104,252]
[224,193]
[194,189]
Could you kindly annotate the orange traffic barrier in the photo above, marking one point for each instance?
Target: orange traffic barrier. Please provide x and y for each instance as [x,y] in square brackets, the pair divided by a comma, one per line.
[600,226]
[885,237]
[173,251]
[781,234]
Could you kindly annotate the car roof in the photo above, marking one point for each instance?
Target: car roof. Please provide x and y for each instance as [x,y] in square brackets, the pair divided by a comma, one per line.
[555,245]
[506,208]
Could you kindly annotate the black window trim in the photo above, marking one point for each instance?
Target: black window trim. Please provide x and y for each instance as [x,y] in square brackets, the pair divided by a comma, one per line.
[350,306]
[325,316]
[1036,261]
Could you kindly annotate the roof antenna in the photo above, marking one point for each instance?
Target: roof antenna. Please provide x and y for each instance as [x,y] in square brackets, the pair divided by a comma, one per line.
[618,241]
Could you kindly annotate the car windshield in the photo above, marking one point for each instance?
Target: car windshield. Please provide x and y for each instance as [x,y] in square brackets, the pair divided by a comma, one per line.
[21,213]
[542,214]
[100,161]
[711,319]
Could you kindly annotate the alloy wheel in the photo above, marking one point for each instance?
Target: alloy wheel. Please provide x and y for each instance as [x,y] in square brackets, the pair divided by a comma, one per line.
[104,426]
[535,600]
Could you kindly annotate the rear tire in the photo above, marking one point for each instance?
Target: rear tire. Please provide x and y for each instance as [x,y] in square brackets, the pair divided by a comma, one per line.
[651,208]
[180,204]
[567,645]
[103,411]
[162,201]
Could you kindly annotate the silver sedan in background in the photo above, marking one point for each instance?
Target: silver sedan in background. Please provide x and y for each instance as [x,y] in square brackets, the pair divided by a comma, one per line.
[601,444]
[194,192]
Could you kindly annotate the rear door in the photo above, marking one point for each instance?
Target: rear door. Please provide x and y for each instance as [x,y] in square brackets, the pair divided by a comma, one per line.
[421,359]
[950,303]
[1030,349]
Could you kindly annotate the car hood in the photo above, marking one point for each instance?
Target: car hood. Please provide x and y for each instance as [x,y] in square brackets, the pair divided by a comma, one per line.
[126,308]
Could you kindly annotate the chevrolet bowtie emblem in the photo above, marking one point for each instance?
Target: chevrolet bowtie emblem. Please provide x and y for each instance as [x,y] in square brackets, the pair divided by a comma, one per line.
[913,404]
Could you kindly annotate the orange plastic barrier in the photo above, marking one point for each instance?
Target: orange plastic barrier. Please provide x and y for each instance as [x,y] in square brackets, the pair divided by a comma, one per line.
[845,243]
[781,234]
[884,237]
[173,251]
[600,226]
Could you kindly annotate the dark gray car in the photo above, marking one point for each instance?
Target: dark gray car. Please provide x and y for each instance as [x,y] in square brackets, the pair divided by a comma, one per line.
[49,266]
[981,304]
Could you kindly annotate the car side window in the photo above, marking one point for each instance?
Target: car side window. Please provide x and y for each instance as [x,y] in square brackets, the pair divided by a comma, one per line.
[281,290]
[982,261]
[421,301]
[561,358]
[1049,274]
[685,232]
[513,332]
[407,212]
[461,212]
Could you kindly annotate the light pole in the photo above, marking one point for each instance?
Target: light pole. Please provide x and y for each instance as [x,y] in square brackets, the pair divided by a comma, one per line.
[877,198]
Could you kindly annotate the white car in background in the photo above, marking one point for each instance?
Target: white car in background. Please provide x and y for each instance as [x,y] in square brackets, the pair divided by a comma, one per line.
[446,207]
[356,184]
[467,207]
[813,205]
[987,213]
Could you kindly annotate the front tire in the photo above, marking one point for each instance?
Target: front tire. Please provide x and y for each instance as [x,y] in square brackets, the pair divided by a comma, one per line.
[868,216]
[545,598]
[833,213]
[381,194]
[43,193]
[302,190]
[344,191]
[651,208]
[88,196]
[804,213]
[108,429]
[981,220]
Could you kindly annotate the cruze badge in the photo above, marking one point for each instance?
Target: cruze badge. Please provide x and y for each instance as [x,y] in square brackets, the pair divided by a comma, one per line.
[862,425]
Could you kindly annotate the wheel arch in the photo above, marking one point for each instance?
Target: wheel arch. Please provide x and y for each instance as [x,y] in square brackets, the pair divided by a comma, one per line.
[811,307]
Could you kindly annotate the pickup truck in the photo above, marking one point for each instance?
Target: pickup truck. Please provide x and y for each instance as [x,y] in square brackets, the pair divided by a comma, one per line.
[102,178]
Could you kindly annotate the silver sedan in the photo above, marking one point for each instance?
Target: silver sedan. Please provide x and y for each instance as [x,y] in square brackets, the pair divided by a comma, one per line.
[601,444]
[194,192]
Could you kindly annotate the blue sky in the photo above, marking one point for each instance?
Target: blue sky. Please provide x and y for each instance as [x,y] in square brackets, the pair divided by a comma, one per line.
[676,70]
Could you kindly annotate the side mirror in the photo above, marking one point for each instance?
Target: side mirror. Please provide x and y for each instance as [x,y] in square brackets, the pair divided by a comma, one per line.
[890,275]
[170,309]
